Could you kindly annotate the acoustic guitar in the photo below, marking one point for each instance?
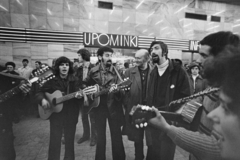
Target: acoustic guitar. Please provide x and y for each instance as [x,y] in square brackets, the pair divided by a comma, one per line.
[40,76]
[185,115]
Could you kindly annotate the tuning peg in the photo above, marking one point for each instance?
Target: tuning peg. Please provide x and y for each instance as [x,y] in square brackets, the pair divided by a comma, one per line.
[145,124]
[137,126]
[141,125]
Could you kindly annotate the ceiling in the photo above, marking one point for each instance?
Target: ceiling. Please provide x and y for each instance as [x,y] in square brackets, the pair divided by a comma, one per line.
[234,2]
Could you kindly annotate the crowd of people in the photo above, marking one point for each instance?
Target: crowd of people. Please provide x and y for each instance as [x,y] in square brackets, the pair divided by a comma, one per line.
[156,80]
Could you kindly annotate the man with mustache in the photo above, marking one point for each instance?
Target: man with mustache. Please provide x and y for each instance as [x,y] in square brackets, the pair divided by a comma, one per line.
[110,107]
[168,81]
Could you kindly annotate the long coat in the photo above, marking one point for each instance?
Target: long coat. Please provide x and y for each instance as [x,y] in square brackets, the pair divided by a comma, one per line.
[133,97]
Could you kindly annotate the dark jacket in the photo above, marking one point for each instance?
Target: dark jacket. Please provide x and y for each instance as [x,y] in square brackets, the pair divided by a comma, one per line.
[114,100]
[79,72]
[133,97]
[200,84]
[177,87]
[70,107]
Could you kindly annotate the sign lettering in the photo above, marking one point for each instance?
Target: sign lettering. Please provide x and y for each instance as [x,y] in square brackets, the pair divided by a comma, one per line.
[111,40]
[193,45]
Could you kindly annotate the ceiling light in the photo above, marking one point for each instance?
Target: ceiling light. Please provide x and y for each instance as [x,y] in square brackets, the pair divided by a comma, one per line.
[219,12]
[145,30]
[181,19]
[237,25]
[57,24]
[49,12]
[90,15]
[128,32]
[3,8]
[112,10]
[213,27]
[181,9]
[19,2]
[118,28]
[34,17]
[151,14]
[68,6]
[164,28]
[159,22]
[139,4]
[189,24]
[126,19]
[150,34]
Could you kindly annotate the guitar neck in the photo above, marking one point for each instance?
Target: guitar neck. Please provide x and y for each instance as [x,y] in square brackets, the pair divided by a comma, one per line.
[171,116]
[102,92]
[5,96]
[66,97]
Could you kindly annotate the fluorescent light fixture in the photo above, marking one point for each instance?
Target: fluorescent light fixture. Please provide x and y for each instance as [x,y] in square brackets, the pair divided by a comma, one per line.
[112,10]
[237,25]
[137,25]
[159,22]
[188,31]
[181,19]
[90,15]
[68,6]
[189,24]
[126,18]
[219,12]
[150,14]
[164,28]
[213,27]
[118,28]
[72,20]
[181,9]
[49,11]
[139,4]
[3,8]
[34,17]
[57,24]
[105,23]
[19,2]
[91,1]
[145,30]
[128,32]
[150,34]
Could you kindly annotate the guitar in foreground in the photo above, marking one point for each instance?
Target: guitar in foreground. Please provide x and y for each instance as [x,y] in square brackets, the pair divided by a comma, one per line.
[40,77]
[124,85]
[56,100]
[140,114]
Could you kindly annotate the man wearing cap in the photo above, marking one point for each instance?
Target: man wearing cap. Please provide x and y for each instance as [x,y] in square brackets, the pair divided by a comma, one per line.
[168,81]
[196,81]
[82,72]
[110,108]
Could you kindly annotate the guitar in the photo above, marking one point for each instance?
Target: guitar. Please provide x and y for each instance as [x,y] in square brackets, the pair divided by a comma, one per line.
[56,100]
[185,115]
[125,84]
[40,77]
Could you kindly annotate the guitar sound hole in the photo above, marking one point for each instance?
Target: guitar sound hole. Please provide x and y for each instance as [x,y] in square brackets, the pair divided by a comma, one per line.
[54,101]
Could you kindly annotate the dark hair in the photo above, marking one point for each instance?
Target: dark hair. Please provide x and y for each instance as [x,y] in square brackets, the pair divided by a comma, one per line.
[126,65]
[10,63]
[103,49]
[85,54]
[223,71]
[25,60]
[163,46]
[193,64]
[217,41]
[61,60]
[38,62]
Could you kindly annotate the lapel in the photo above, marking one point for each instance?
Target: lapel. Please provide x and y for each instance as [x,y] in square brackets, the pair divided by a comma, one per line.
[137,77]
[148,78]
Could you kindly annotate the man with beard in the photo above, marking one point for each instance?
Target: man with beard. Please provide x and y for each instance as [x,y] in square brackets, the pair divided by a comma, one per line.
[81,73]
[168,81]
[139,75]
[110,107]
[200,144]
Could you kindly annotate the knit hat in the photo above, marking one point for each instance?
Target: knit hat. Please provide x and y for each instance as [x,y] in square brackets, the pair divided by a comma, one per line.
[194,64]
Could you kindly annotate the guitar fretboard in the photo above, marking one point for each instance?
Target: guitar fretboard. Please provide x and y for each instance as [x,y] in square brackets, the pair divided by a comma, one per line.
[65,98]
[5,96]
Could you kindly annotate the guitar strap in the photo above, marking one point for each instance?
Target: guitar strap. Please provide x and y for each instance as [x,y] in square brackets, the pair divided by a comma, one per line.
[120,78]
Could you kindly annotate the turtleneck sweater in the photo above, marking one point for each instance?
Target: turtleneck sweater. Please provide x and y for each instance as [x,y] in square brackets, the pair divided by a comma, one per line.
[162,68]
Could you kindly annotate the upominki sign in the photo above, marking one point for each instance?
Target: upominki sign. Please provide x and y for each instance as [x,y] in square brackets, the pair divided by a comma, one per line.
[111,40]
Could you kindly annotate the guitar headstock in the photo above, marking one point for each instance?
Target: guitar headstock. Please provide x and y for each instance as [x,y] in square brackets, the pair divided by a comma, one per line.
[140,115]
[125,84]
[42,75]
[91,89]
[43,80]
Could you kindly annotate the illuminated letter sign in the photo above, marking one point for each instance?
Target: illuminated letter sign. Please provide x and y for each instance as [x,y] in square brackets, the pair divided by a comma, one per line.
[193,45]
[112,40]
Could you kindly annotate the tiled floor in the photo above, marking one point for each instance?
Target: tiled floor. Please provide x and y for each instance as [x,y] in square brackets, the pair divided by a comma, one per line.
[32,137]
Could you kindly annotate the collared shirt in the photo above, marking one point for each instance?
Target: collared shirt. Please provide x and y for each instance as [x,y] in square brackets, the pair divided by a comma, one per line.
[25,72]
[85,69]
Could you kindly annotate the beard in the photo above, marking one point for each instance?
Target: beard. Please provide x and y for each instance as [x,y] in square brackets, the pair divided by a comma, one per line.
[155,58]
[108,63]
